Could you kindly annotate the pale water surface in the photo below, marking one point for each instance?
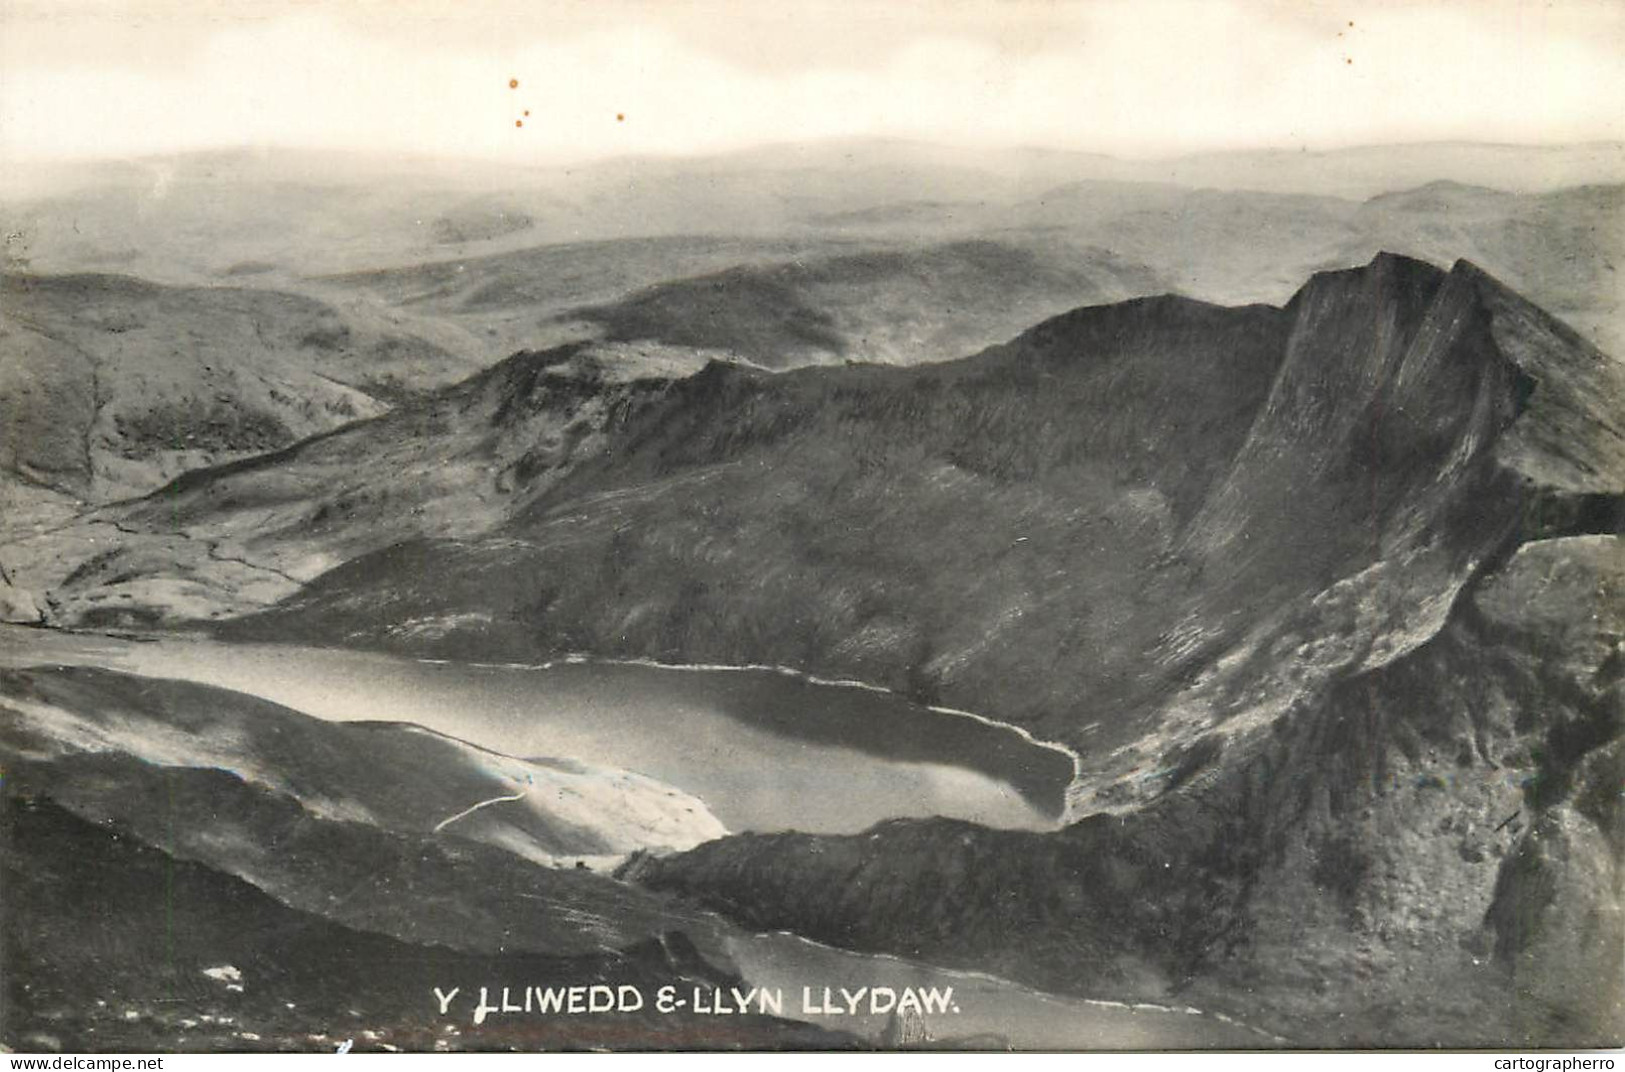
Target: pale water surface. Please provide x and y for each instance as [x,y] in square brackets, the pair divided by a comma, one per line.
[765,750]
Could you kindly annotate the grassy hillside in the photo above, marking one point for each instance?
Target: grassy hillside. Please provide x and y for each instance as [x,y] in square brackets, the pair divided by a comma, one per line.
[110,385]
[455,462]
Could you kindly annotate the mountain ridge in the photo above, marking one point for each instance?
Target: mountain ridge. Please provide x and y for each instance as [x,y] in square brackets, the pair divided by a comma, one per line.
[763,412]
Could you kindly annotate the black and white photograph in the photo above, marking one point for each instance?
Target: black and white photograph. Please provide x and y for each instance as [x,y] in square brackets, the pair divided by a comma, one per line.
[823,525]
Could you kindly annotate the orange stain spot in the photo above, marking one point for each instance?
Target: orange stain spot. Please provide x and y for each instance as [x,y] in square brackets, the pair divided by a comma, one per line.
[620,117]
[513,83]
[527,111]
[518,122]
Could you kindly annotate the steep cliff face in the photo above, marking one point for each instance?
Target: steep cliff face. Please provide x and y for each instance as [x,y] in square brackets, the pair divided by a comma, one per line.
[1423,425]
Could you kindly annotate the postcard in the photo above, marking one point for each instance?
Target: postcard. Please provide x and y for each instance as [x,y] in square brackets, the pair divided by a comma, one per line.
[819,526]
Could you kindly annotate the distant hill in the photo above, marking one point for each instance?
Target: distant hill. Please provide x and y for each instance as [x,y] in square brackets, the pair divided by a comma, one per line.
[1123,238]
[188,217]
[893,306]
[520,299]
[110,385]
[479,260]
[1562,248]
[479,222]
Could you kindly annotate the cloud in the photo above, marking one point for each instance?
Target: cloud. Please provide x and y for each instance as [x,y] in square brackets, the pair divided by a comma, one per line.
[1140,77]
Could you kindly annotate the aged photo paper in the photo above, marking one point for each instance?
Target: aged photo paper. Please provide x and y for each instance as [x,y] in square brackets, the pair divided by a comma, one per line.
[826,525]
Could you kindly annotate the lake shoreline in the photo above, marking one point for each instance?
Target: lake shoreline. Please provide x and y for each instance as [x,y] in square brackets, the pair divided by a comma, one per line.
[836,738]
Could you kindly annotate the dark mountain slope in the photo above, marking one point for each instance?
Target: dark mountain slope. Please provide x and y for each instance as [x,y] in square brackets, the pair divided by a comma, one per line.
[1126,505]
[934,529]
[1427,853]
[1371,444]
[113,945]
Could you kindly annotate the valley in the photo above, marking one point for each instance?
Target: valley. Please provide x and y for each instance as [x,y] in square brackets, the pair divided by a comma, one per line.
[1173,603]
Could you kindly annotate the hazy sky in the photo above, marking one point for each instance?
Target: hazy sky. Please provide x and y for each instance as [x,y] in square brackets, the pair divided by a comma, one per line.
[1136,77]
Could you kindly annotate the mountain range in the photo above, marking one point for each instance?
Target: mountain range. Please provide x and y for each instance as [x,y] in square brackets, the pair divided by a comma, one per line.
[1304,545]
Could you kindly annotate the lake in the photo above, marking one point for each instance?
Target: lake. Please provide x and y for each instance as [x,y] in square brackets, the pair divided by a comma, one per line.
[765,750]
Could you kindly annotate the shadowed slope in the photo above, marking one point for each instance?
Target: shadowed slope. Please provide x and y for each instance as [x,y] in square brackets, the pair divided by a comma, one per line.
[1067,530]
